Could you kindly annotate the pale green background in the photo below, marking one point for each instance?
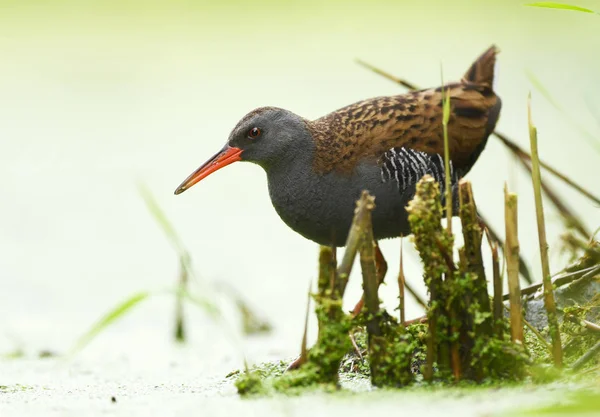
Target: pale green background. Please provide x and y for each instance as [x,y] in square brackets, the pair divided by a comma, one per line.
[95,96]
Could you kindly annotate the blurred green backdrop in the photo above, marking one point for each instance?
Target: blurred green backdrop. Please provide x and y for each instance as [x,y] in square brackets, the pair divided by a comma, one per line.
[97,95]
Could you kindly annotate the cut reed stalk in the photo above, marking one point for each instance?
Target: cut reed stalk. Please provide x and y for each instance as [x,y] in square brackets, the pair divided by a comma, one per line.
[326,270]
[401,280]
[476,300]
[512,261]
[493,236]
[473,237]
[498,314]
[549,302]
[369,273]
[354,240]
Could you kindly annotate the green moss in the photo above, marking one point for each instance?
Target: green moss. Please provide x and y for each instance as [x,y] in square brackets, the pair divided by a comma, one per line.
[325,356]
[500,359]
[353,363]
[577,339]
[250,383]
[391,356]
[397,353]
[538,351]
[460,329]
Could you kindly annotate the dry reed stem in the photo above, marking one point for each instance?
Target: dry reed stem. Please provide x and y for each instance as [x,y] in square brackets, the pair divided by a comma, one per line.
[498,315]
[523,154]
[363,206]
[493,236]
[369,270]
[512,261]
[549,302]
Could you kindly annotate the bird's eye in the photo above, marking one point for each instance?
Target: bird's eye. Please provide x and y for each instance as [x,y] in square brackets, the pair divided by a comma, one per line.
[254,133]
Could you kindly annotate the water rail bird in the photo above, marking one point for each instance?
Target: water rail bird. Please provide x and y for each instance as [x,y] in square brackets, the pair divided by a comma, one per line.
[317,169]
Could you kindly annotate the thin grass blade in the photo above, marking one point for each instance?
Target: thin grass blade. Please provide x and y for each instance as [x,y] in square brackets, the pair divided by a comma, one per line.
[160,217]
[108,319]
[561,6]
[447,176]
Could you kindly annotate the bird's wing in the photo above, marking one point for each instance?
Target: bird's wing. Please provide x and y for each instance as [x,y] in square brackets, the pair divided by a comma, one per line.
[369,128]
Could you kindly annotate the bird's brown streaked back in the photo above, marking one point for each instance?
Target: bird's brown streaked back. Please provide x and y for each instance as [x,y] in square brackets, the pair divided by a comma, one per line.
[365,130]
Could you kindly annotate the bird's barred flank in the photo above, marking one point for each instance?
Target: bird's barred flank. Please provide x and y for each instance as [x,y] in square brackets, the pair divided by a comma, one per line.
[408,166]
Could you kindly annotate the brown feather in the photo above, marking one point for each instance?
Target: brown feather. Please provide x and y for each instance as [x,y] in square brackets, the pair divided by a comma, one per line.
[365,130]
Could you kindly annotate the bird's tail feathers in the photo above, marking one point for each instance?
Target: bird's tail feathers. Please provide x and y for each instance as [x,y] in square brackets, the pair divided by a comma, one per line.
[482,70]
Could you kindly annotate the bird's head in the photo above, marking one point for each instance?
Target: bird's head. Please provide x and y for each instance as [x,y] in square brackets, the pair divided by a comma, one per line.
[265,136]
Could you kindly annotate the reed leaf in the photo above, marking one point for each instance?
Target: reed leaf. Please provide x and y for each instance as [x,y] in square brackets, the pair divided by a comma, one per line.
[561,6]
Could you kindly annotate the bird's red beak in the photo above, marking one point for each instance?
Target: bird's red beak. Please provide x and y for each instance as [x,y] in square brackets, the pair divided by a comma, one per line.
[224,157]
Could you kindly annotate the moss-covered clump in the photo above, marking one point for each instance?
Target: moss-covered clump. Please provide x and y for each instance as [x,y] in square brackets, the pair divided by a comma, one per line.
[250,383]
[461,343]
[395,346]
[391,356]
[325,356]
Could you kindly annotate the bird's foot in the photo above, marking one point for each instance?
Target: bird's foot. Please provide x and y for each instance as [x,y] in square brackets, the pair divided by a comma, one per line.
[295,364]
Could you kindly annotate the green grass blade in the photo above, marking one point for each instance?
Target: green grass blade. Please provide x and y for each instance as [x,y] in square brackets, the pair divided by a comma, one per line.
[448,179]
[164,223]
[161,218]
[109,318]
[561,6]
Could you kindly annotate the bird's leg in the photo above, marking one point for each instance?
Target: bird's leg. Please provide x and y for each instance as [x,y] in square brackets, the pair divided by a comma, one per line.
[381,267]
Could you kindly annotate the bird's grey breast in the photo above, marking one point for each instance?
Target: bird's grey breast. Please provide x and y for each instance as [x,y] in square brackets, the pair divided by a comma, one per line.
[320,207]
